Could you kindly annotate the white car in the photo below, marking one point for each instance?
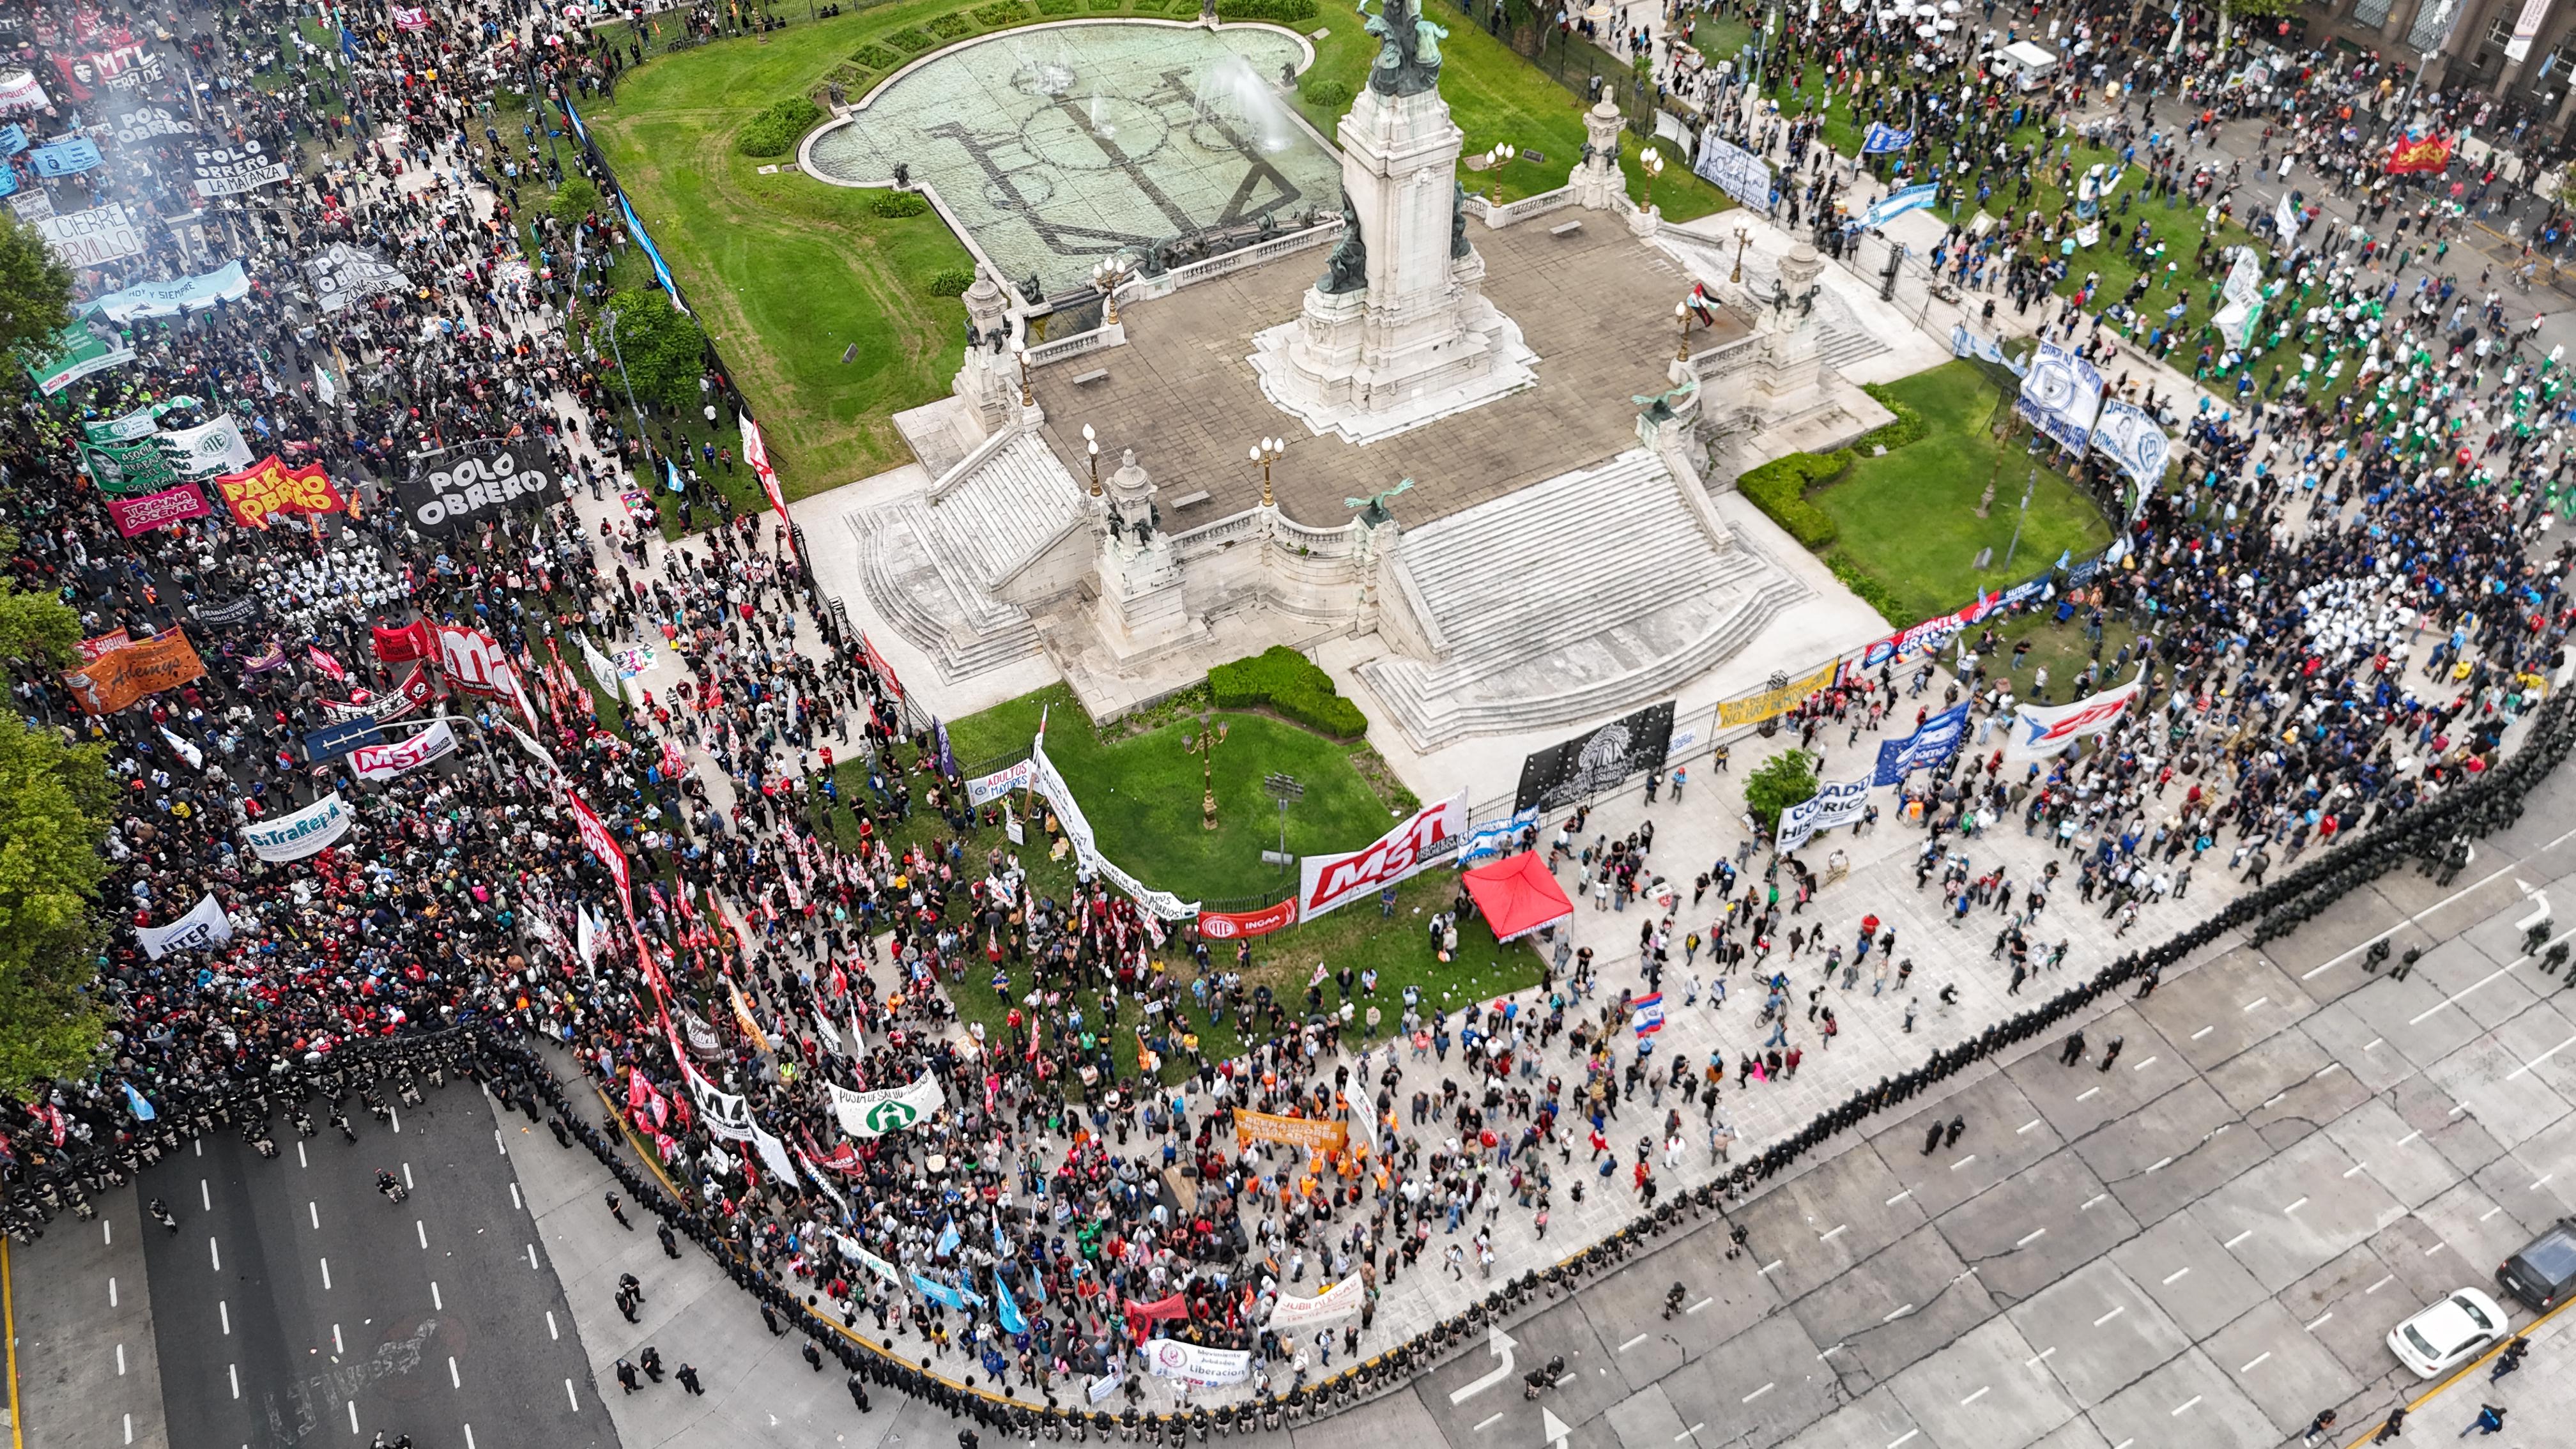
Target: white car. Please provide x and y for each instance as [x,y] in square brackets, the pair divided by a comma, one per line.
[2448,1334]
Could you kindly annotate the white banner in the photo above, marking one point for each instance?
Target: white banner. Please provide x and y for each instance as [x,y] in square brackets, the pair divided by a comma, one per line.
[2046,729]
[1068,813]
[774,1153]
[2128,437]
[723,1114]
[211,448]
[1431,836]
[206,925]
[874,1114]
[2526,28]
[2061,395]
[1339,1301]
[986,789]
[383,762]
[92,238]
[1832,805]
[306,832]
[1737,172]
[1207,1368]
[851,1250]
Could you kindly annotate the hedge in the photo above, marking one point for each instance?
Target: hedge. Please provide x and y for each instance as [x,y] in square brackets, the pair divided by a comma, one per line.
[1325,93]
[876,57]
[1779,489]
[1289,684]
[910,41]
[1287,12]
[774,132]
[1866,586]
[1005,12]
[899,204]
[951,281]
[1909,426]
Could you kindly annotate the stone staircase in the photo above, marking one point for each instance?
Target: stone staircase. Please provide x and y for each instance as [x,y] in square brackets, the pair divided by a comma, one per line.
[1842,346]
[1592,592]
[930,568]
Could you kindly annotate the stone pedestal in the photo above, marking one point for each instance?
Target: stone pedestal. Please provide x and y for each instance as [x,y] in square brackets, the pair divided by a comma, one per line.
[1791,357]
[989,380]
[1598,179]
[1143,607]
[1397,332]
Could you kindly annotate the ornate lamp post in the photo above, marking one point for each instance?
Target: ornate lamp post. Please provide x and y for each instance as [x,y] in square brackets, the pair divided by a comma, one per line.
[1108,275]
[1091,448]
[1652,162]
[1495,161]
[1742,238]
[1203,744]
[1682,314]
[1265,455]
[1021,350]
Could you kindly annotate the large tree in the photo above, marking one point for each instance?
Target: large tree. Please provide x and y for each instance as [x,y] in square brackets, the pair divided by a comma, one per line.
[1787,778]
[55,805]
[35,287]
[661,349]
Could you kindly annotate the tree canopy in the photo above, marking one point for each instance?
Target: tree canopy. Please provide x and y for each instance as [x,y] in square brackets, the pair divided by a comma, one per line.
[35,287]
[55,804]
[661,349]
[1781,781]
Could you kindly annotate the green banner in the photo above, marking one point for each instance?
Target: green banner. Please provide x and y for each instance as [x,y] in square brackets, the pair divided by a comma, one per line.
[76,352]
[136,424]
[125,469]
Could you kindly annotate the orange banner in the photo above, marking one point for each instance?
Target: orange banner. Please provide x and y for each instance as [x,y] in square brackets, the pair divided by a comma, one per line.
[121,676]
[269,487]
[1252,1127]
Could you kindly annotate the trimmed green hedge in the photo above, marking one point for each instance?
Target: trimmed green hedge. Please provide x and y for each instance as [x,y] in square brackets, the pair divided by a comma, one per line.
[950,27]
[1286,12]
[1779,489]
[876,57]
[910,41]
[1326,93]
[1866,585]
[900,204]
[775,131]
[1288,683]
[1005,12]
[1909,426]
[1058,7]
[951,281]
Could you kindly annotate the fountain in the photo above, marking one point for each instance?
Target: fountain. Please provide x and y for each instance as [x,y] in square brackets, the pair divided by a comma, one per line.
[1101,126]
[1231,91]
[1051,77]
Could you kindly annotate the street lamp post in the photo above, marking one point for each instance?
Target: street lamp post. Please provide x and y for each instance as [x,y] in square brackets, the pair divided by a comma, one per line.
[1265,455]
[1743,237]
[1682,314]
[1108,275]
[2023,517]
[1091,452]
[1495,160]
[1204,744]
[1651,161]
[1021,350]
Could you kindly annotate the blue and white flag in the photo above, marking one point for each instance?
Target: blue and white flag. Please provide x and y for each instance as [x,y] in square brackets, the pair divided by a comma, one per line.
[2061,396]
[1007,1310]
[652,253]
[2130,438]
[1924,749]
[938,1292]
[1650,1014]
[948,1239]
[143,1110]
[1884,138]
[671,475]
[1896,203]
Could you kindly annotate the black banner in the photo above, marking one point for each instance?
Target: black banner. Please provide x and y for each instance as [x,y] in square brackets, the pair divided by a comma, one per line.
[231,611]
[462,490]
[1575,770]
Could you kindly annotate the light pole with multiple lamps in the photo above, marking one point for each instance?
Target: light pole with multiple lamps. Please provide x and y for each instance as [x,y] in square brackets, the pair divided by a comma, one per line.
[1107,276]
[1651,162]
[1203,744]
[1495,160]
[1742,238]
[1091,451]
[1682,314]
[1021,351]
[1265,455]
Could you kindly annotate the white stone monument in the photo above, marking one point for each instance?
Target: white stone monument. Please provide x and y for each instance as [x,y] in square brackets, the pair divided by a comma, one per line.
[1143,609]
[1397,332]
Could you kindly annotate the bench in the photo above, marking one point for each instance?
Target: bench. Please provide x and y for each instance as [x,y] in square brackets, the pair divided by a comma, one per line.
[1565,228]
[1086,379]
[1188,500]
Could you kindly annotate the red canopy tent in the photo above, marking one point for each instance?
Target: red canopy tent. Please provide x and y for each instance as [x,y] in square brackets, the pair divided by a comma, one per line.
[1517,895]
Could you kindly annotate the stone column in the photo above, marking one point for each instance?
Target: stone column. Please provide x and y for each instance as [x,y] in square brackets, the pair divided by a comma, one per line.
[1599,179]
[989,380]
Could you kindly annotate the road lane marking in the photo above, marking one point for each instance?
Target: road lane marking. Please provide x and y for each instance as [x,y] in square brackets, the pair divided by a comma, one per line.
[469,1436]
[1696,1307]
[1962,1162]
[1909,1435]
[422,1229]
[326,1275]
[395,1113]
[2041,1357]
[407,1183]
[2328,1068]
[2185,1404]
[111,1292]
[532,1256]
[2544,1056]
[2274,1100]
[2355,1169]
[2294,1207]
[2382,1283]
[2088,1094]
[2409,1137]
[2240,1237]
[129,1428]
[2159,1163]
[205,1195]
[1837,1348]
[224,1311]
[2026,1126]
[336,1346]
[1487,1422]
[2543,1182]
[2176,1273]
[1832,1233]
[2034,1235]
[2455,997]
[2320,1319]
[1757,1393]
[551,1331]
[453,1381]
[1900,1313]
[515,1204]
[575,1399]
[2149,1062]
[1979,1394]
[2257,1363]
[1900,1197]
[299,1156]
[2090,1201]
[435,1301]
[2428,1252]
[353,1416]
[1632,1343]
[1767,1267]
[2257,1001]
[215,1254]
[1693,1429]
[313,1210]
[2204,1031]
[232,1374]
[2490,1212]
[120,1360]
[2116,1310]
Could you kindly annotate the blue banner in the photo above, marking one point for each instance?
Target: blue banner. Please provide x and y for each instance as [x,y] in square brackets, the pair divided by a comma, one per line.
[1007,1310]
[1896,203]
[13,139]
[66,158]
[938,1292]
[574,116]
[1883,138]
[1926,748]
[332,741]
[652,253]
[227,283]
[2061,396]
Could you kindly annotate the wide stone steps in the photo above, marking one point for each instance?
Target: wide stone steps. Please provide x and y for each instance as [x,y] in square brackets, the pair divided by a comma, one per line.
[994,518]
[1554,560]
[931,568]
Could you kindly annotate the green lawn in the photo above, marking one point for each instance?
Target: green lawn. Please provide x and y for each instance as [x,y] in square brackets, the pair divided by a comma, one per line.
[1908,517]
[1141,794]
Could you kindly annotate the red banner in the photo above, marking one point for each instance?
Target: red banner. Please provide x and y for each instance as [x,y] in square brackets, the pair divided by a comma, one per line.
[755,451]
[2418,153]
[268,487]
[93,650]
[877,662]
[402,646]
[1228,925]
[170,505]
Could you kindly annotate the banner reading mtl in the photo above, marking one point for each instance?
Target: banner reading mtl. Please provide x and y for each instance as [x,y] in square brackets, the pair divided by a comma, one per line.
[1580,768]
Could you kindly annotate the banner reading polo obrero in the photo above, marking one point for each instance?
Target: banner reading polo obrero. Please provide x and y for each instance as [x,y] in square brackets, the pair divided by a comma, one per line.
[383,762]
[2061,396]
[120,677]
[874,1114]
[268,488]
[2042,729]
[1754,708]
[1431,836]
[308,831]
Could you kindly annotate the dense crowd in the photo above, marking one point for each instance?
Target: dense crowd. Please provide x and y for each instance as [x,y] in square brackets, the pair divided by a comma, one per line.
[2338,615]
